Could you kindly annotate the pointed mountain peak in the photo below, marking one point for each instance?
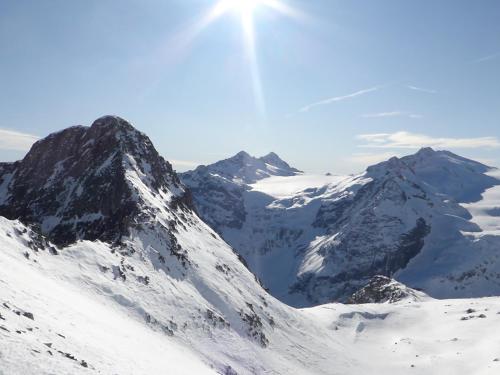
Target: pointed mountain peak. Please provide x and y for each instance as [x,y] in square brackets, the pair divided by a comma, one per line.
[247,169]
[110,121]
[242,154]
[426,151]
[91,182]
[391,166]
[272,158]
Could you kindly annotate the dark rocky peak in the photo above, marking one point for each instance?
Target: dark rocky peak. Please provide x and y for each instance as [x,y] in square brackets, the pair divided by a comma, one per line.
[426,152]
[89,182]
[242,155]
[382,289]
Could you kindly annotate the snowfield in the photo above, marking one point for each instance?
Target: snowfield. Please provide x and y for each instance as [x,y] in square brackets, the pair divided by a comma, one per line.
[283,187]
[445,337]
[486,212]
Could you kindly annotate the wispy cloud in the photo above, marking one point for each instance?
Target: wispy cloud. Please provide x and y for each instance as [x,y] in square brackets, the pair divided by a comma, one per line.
[421,89]
[487,58]
[338,99]
[17,141]
[407,140]
[392,114]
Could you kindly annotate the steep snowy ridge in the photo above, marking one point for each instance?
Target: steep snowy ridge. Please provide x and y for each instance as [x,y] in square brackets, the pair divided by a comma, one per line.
[402,218]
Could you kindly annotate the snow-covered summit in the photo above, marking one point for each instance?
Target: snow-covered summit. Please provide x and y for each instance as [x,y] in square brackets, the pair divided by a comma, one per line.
[218,188]
[245,168]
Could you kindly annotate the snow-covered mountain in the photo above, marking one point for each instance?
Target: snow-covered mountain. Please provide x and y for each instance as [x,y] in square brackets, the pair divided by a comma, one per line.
[245,168]
[99,237]
[218,188]
[105,268]
[408,218]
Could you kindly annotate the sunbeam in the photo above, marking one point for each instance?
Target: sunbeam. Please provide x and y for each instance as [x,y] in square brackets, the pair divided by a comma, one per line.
[245,10]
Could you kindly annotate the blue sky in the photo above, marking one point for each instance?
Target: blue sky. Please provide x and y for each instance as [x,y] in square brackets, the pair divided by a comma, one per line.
[343,84]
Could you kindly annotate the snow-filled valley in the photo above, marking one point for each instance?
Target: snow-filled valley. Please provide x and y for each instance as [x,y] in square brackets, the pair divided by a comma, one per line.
[107,268]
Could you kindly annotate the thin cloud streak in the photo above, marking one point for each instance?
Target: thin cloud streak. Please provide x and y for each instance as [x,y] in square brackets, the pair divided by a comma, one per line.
[335,99]
[16,141]
[407,140]
[421,89]
[487,58]
[392,114]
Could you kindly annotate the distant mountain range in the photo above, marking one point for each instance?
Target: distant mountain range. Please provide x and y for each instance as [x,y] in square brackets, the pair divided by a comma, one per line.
[406,218]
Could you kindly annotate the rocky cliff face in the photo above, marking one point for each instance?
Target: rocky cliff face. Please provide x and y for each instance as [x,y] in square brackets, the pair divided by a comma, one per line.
[84,182]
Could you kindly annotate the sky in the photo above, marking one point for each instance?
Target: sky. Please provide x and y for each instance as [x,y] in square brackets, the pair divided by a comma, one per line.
[329,85]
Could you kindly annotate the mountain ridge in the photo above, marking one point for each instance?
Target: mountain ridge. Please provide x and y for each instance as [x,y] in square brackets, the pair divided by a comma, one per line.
[329,241]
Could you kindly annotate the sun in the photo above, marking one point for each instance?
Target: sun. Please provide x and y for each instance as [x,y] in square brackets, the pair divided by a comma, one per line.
[246,10]
[244,7]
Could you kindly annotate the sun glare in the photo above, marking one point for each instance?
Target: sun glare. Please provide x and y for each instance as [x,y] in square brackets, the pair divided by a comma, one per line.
[246,10]
[244,6]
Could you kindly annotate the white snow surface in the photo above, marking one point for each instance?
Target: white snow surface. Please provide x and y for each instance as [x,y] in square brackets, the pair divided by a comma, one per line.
[82,311]
[486,212]
[286,186]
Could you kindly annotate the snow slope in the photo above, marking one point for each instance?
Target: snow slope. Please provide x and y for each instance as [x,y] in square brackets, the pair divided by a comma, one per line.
[486,211]
[64,314]
[283,187]
[71,318]
[448,337]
